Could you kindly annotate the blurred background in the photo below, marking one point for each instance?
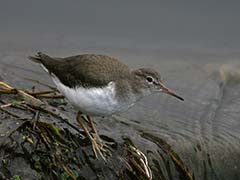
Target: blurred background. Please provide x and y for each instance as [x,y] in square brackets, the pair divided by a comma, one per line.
[209,25]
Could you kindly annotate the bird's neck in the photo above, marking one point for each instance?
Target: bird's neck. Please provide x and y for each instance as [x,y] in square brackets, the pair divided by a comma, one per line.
[131,89]
[138,89]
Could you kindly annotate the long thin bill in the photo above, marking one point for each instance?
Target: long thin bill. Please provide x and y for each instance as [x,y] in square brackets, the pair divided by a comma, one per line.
[164,89]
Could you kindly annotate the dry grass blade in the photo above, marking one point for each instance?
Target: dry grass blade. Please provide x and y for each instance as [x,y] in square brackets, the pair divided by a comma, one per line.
[38,104]
[8,91]
[167,148]
[40,93]
[5,85]
[6,105]
[65,168]
[34,132]
[139,168]
[51,96]
[46,94]
[139,161]
[29,99]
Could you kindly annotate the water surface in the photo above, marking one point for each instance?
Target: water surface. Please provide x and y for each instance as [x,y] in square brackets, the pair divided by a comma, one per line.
[203,130]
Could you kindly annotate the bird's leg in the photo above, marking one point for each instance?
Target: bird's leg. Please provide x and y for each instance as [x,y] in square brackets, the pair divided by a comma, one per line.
[97,146]
[95,134]
[92,124]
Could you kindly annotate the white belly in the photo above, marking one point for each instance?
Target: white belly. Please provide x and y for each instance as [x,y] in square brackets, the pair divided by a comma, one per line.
[92,101]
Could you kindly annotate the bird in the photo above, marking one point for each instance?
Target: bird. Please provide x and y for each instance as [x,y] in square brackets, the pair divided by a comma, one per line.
[100,85]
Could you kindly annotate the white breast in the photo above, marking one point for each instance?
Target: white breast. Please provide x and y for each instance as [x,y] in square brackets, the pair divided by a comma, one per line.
[92,101]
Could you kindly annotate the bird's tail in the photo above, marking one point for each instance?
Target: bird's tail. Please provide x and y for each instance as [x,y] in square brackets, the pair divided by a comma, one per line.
[41,58]
[46,61]
[37,58]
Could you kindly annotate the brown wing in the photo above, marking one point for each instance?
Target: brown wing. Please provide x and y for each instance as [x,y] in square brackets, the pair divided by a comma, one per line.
[88,70]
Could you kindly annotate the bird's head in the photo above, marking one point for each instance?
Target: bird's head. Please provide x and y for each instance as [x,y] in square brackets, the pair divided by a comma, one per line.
[149,81]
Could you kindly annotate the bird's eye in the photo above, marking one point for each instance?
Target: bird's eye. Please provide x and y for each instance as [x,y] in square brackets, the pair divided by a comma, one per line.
[149,79]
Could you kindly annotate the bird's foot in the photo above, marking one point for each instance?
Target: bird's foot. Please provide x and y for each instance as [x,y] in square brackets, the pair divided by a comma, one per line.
[102,141]
[101,146]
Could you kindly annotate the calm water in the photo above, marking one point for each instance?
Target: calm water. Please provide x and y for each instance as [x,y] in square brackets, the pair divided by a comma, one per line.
[203,130]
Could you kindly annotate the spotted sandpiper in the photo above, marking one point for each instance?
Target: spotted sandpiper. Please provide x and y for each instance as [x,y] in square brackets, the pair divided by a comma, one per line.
[99,85]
